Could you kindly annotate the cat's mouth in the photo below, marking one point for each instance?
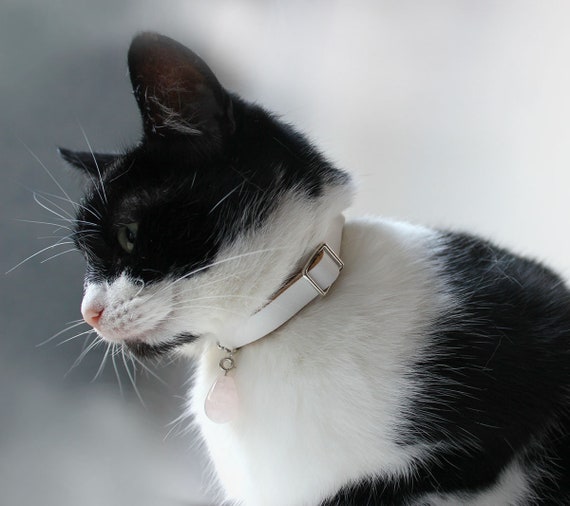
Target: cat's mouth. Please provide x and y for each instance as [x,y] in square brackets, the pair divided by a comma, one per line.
[147,351]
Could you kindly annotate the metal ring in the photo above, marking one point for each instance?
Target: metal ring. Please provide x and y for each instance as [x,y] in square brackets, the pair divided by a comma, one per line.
[227,364]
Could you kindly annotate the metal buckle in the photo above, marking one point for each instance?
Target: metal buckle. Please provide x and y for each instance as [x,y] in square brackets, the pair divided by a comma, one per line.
[323,248]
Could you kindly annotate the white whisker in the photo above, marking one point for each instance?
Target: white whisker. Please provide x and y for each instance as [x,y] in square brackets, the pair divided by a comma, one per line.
[225,197]
[73,203]
[53,236]
[96,164]
[58,243]
[213,282]
[67,215]
[174,424]
[147,369]
[113,355]
[58,254]
[209,297]
[131,377]
[195,306]
[102,365]
[89,331]
[46,169]
[58,225]
[96,225]
[84,353]
[67,219]
[213,264]
[71,326]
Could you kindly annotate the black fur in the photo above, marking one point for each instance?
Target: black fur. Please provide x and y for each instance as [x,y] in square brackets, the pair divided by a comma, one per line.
[190,189]
[148,351]
[495,386]
[192,201]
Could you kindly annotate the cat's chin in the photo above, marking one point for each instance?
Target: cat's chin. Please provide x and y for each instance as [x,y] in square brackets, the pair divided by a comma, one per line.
[147,351]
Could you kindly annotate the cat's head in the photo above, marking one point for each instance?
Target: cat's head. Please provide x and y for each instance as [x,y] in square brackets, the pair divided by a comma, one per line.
[192,230]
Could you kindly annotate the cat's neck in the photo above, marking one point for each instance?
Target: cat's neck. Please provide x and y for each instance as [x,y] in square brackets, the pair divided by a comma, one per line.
[314,279]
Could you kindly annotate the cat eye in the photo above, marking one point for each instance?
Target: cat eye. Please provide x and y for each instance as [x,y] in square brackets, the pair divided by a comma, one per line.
[127,235]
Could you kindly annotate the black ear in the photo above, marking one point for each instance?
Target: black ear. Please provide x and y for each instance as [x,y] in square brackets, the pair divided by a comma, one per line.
[176,92]
[92,163]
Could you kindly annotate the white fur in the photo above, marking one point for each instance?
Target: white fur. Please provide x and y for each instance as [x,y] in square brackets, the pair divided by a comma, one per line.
[321,399]
[512,489]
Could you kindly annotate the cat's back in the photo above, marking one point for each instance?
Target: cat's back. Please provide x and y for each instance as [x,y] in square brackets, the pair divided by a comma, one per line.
[485,336]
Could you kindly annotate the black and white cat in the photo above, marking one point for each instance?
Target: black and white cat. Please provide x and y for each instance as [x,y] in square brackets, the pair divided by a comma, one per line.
[435,371]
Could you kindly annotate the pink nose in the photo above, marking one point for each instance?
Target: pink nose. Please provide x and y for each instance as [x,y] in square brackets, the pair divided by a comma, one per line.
[92,315]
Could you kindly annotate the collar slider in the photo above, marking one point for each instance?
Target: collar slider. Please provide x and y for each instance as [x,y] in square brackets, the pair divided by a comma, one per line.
[315,259]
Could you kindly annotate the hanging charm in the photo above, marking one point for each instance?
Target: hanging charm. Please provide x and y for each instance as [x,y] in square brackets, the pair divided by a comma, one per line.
[222,402]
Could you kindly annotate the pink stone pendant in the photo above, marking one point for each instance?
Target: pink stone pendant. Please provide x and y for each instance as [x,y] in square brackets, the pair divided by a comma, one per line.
[222,402]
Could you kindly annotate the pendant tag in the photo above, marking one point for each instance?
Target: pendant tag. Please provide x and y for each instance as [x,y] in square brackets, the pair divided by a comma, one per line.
[222,402]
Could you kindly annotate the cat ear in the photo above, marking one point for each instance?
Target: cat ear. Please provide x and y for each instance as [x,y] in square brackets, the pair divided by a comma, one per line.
[176,92]
[92,163]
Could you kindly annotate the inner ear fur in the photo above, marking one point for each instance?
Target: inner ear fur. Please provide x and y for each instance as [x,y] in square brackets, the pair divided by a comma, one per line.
[176,92]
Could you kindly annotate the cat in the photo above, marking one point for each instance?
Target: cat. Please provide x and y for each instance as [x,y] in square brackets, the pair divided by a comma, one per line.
[416,367]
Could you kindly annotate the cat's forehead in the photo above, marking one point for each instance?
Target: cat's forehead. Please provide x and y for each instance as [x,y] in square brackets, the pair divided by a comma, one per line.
[143,177]
[157,164]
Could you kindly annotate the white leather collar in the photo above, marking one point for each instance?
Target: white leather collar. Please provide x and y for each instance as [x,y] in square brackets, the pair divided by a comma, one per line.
[315,279]
[317,276]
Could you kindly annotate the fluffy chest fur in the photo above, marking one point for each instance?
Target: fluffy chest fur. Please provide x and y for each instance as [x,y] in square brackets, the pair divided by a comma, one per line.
[435,372]
[354,348]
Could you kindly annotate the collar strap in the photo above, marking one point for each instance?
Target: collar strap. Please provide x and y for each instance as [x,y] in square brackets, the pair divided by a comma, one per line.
[314,280]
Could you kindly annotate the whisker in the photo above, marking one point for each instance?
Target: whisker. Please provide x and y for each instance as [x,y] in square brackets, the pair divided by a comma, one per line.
[213,282]
[88,232]
[183,305]
[213,264]
[73,203]
[68,237]
[225,197]
[75,321]
[96,225]
[46,169]
[113,355]
[53,236]
[58,254]
[58,243]
[143,284]
[196,306]
[43,194]
[68,216]
[131,377]
[84,353]
[72,325]
[89,331]
[147,369]
[58,225]
[96,163]
[36,198]
[102,365]
[174,356]
[207,297]
[174,424]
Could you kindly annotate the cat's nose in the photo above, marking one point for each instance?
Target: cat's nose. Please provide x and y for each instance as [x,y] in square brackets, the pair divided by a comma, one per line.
[92,315]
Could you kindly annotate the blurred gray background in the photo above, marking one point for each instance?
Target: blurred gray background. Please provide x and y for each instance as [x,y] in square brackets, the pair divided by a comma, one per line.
[450,113]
